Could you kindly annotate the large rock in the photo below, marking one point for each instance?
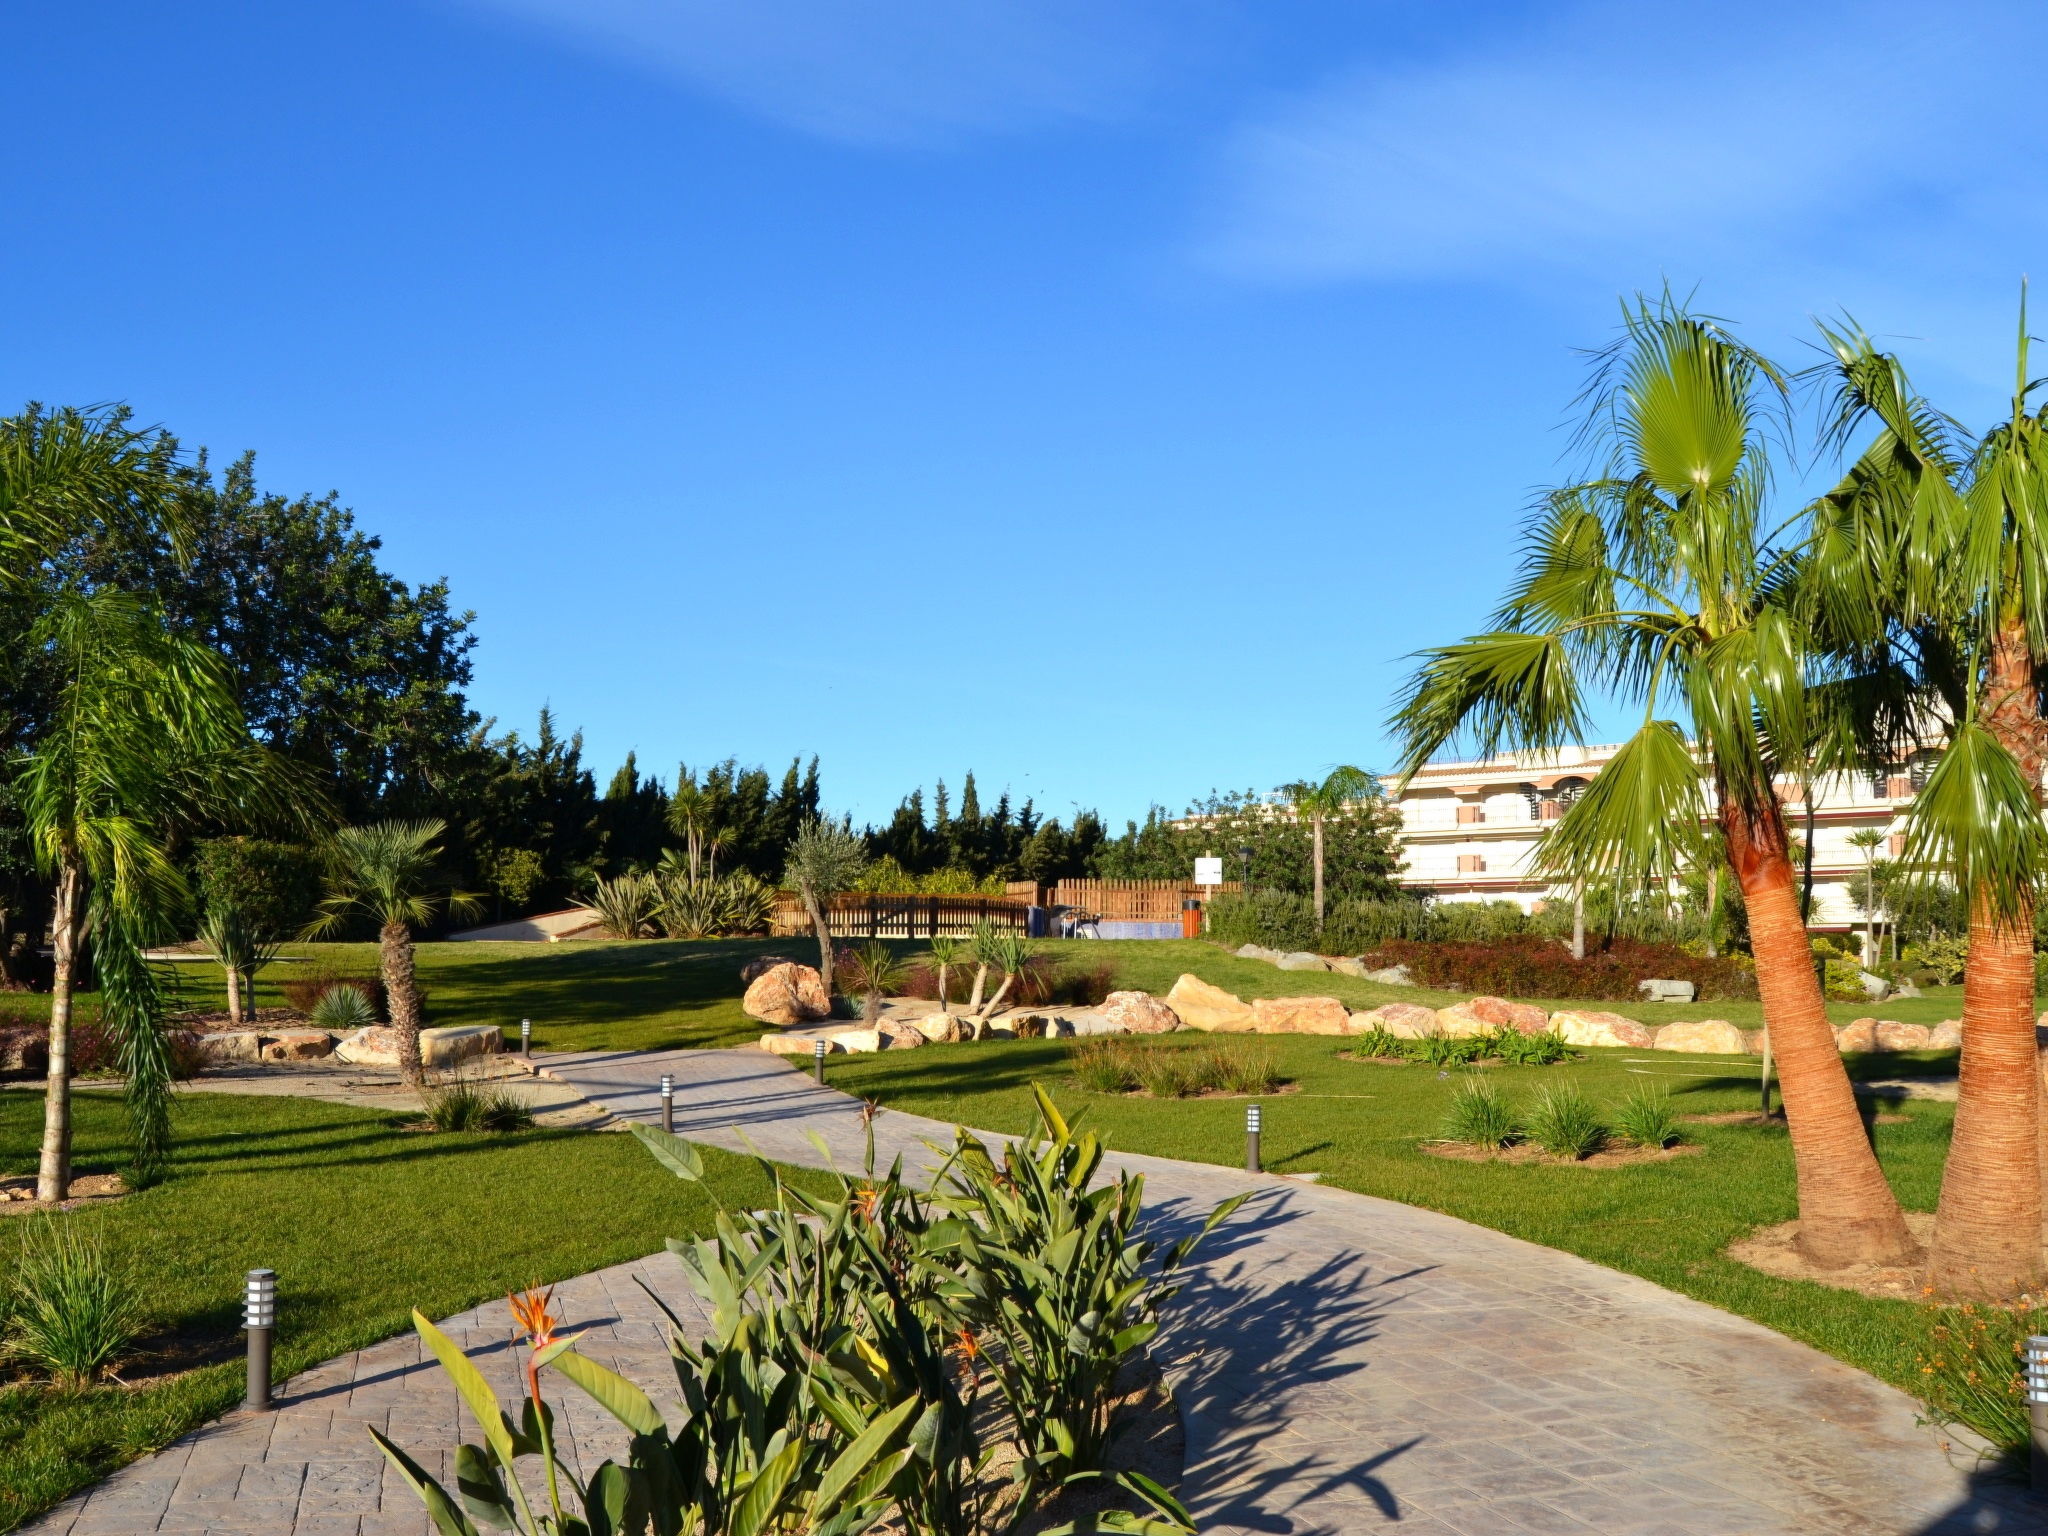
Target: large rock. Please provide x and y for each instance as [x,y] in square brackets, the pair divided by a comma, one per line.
[1404,1021]
[1300,1016]
[298,1045]
[1302,960]
[1347,966]
[787,994]
[1858,1035]
[943,1028]
[1391,976]
[859,1040]
[1202,1006]
[1256,952]
[1460,1022]
[1946,1036]
[1706,1037]
[1894,1036]
[232,1045]
[377,1045]
[1592,1026]
[761,965]
[1523,1018]
[898,1036]
[1876,988]
[1139,1013]
[805,1046]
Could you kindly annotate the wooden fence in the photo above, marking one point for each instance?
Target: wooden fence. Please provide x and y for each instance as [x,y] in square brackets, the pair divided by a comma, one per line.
[861,915]
[1130,901]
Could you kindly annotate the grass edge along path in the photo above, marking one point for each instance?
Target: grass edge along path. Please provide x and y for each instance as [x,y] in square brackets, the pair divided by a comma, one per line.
[1360,1125]
[361,1219]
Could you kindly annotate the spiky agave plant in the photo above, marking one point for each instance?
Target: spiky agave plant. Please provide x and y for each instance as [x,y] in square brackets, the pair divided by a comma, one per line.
[626,905]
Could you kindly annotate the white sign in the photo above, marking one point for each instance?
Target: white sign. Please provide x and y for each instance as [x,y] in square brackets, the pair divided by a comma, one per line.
[1209,871]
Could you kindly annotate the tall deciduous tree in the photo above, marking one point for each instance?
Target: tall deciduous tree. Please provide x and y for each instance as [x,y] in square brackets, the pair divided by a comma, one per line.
[1654,581]
[389,874]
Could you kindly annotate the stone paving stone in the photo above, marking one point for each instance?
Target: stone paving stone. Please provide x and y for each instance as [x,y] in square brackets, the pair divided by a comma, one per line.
[1342,1364]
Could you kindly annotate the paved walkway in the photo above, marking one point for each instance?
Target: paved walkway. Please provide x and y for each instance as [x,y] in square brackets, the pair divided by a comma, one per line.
[1344,1364]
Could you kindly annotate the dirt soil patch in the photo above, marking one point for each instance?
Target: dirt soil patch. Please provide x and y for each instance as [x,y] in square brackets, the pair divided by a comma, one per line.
[18,1193]
[1753,1117]
[1214,1093]
[1771,1251]
[219,1022]
[1146,1438]
[1523,1152]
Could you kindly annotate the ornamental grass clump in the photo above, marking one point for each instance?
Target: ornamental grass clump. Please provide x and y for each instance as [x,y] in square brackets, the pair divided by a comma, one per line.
[1564,1123]
[1647,1119]
[1479,1116]
[1973,1370]
[342,1010]
[467,1104]
[1103,1066]
[72,1310]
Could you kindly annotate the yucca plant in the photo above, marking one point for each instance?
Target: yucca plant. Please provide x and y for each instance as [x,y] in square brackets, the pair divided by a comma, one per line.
[1054,1277]
[1564,1123]
[342,1010]
[73,1310]
[627,905]
[1480,1116]
[945,953]
[1647,1118]
[874,972]
[242,951]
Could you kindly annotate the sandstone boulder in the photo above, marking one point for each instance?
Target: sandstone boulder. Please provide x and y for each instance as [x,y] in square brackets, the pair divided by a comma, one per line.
[943,1028]
[1523,1018]
[1946,1036]
[1860,1035]
[1894,1036]
[1256,952]
[377,1045]
[859,1040]
[898,1036]
[1706,1037]
[761,966]
[1391,976]
[1753,1041]
[1667,991]
[1029,1026]
[805,1046]
[298,1045]
[232,1045]
[1139,1013]
[1302,960]
[1348,966]
[1459,1021]
[1300,1016]
[1592,1026]
[1404,1021]
[1201,1006]
[787,993]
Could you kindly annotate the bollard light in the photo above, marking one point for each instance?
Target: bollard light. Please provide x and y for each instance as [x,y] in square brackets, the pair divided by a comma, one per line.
[818,1058]
[2037,1408]
[668,1103]
[259,1318]
[526,1037]
[1252,1119]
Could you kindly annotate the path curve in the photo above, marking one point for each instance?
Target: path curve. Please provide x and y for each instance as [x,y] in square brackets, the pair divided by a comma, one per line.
[1343,1364]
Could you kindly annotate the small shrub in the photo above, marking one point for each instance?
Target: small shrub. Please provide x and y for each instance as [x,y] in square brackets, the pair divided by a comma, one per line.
[342,1009]
[1544,1050]
[73,1310]
[302,992]
[1446,1050]
[1379,1041]
[94,1050]
[1943,954]
[1564,1123]
[1168,1072]
[466,1104]
[1647,1119]
[1103,1066]
[1246,1066]
[1972,1371]
[1480,1116]
[1531,965]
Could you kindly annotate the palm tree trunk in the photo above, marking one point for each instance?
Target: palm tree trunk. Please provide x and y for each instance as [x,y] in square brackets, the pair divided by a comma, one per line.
[234,996]
[944,1005]
[1317,819]
[1713,904]
[1987,1226]
[823,930]
[53,1176]
[1847,1212]
[401,988]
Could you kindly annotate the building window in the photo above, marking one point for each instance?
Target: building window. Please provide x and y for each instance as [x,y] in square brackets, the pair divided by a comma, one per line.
[1552,810]
[1472,863]
[1471,815]
[1895,845]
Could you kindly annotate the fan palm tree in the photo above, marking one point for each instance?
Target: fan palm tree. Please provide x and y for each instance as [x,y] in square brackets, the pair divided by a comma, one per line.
[1653,581]
[1929,574]
[66,471]
[1317,800]
[145,737]
[1868,840]
[389,873]
[242,950]
[823,860]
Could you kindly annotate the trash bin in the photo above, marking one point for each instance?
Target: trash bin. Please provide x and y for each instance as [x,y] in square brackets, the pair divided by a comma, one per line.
[1036,925]
[1190,918]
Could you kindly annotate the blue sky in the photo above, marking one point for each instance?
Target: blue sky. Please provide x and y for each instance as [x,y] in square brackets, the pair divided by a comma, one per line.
[1103,395]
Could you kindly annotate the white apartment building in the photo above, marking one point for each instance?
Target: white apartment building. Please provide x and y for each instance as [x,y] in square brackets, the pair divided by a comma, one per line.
[1470,829]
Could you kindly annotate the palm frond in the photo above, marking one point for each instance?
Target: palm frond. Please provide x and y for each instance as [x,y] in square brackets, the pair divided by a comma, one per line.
[1978,816]
[1504,689]
[1639,818]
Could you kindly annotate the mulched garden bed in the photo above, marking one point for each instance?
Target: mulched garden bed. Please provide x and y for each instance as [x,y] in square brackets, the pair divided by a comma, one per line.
[18,1192]
[1607,1157]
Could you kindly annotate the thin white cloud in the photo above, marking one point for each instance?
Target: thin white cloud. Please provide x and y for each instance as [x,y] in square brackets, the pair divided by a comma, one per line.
[888,71]
[1622,134]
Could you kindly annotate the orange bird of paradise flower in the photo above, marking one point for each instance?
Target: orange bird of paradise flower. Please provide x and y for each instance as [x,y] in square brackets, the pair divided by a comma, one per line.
[533,1311]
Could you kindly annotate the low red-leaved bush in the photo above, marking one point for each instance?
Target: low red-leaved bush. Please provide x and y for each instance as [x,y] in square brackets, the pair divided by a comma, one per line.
[1529,966]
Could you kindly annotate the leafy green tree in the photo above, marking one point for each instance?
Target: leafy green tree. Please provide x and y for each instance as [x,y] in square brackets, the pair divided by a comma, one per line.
[389,874]
[1654,581]
[825,858]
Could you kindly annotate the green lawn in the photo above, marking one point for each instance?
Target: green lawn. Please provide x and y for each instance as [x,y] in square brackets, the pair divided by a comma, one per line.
[1359,1125]
[362,1221]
